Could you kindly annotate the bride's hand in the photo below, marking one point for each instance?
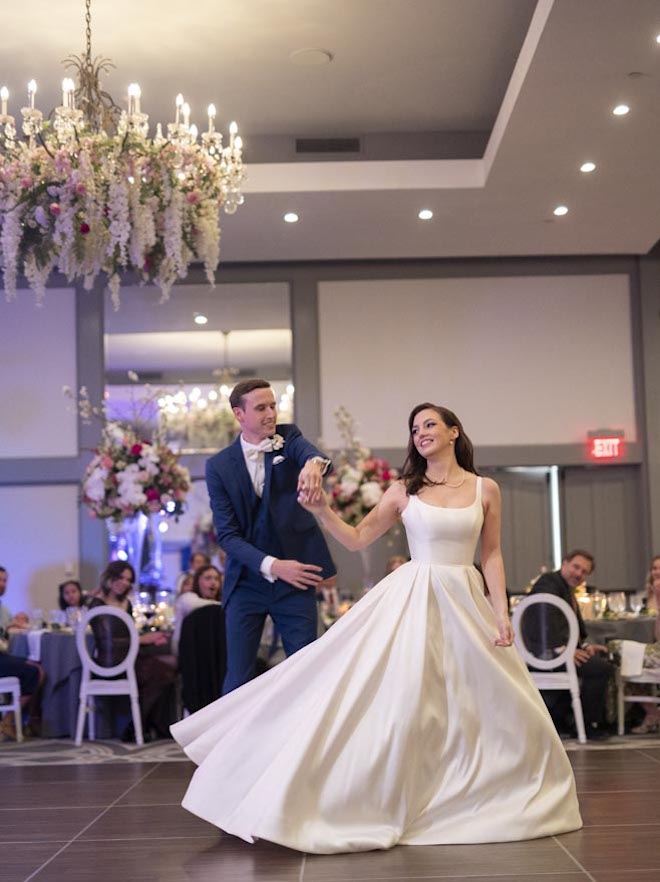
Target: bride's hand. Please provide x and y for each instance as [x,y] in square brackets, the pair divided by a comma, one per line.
[504,632]
[314,507]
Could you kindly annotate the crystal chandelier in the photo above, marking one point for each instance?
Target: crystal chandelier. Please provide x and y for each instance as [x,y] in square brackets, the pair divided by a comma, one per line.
[90,192]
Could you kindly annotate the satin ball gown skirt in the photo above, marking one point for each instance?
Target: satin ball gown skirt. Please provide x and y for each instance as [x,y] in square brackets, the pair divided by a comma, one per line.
[402,724]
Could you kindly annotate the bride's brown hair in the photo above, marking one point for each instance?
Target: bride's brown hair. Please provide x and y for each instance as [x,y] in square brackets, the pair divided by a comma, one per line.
[414,468]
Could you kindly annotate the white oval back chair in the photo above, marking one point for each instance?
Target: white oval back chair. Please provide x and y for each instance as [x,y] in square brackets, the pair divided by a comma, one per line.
[547,676]
[101,685]
[12,686]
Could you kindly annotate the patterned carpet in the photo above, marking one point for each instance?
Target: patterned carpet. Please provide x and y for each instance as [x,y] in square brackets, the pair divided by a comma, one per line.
[50,751]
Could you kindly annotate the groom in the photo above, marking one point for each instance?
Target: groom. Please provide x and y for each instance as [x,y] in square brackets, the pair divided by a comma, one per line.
[276,553]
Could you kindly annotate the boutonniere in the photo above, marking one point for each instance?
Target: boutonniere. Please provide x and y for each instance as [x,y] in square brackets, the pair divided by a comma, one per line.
[278,442]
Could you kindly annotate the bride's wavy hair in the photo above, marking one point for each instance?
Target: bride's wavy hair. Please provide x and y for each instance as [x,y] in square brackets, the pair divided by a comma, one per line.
[414,468]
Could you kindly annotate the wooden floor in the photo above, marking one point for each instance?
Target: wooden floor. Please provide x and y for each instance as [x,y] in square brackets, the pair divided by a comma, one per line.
[122,821]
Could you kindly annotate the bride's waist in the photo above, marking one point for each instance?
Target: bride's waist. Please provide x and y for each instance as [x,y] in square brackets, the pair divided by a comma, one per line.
[436,562]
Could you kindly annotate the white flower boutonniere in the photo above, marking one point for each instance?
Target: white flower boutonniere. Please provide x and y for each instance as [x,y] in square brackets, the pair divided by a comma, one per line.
[278,442]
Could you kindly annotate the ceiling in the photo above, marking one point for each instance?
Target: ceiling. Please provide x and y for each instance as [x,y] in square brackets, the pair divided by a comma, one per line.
[480,110]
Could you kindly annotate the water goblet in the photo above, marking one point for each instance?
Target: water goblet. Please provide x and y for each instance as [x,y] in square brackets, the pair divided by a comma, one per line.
[637,602]
[616,602]
[36,619]
[599,604]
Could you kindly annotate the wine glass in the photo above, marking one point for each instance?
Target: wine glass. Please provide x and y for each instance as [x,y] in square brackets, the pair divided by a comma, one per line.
[36,619]
[599,603]
[637,602]
[616,602]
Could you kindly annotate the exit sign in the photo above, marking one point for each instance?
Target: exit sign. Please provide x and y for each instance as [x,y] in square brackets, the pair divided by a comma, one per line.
[604,445]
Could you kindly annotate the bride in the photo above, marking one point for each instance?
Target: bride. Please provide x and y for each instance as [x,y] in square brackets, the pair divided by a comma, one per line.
[413,720]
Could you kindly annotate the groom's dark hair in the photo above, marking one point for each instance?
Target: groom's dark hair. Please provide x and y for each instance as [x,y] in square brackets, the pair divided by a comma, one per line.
[244,388]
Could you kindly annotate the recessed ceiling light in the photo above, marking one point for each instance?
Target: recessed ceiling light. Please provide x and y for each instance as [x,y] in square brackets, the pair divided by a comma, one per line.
[425,214]
[291,217]
[200,319]
[587,167]
[560,210]
[310,57]
[621,110]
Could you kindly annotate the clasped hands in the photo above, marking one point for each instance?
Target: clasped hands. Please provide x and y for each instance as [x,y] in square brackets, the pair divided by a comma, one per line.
[586,651]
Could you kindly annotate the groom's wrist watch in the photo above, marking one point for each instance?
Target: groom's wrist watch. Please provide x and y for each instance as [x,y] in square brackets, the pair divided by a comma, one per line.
[322,461]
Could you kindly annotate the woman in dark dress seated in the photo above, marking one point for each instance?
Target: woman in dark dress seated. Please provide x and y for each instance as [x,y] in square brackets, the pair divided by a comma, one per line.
[155,674]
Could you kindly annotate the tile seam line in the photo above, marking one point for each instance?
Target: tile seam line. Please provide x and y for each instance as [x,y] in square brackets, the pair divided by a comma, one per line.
[574,859]
[90,824]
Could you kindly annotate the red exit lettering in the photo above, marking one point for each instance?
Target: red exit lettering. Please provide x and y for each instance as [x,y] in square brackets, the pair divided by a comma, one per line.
[605,448]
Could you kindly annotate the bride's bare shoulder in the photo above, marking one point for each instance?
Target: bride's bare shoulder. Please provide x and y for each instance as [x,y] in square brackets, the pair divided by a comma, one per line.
[397,494]
[490,490]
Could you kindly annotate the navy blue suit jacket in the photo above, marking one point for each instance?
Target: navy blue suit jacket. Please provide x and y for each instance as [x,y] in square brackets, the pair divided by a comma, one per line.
[233,500]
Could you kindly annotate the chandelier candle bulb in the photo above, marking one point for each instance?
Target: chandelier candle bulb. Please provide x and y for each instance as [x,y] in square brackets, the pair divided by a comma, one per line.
[134,93]
[32,91]
[179,104]
[67,92]
[211,113]
[186,114]
[233,130]
[4,97]
[193,132]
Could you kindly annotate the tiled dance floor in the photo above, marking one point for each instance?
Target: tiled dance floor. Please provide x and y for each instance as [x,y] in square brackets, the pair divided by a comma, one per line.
[121,820]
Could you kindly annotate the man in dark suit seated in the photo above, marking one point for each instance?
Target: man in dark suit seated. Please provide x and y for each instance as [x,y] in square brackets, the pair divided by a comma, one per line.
[547,628]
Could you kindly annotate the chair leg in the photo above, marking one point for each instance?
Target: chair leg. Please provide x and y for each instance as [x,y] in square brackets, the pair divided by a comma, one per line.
[91,718]
[620,715]
[579,716]
[80,725]
[18,715]
[137,720]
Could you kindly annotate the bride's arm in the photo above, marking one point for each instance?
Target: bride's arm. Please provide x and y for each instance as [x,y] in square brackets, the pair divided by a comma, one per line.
[379,520]
[492,562]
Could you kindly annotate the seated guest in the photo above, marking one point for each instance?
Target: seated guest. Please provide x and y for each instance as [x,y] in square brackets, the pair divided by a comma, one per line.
[30,674]
[155,674]
[653,585]
[593,669]
[31,677]
[651,721]
[70,594]
[7,620]
[197,560]
[206,589]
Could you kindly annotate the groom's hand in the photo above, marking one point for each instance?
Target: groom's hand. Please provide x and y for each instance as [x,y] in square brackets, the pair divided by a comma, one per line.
[310,480]
[300,575]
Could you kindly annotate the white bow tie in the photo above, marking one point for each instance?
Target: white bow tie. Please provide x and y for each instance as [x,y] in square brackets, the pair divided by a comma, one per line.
[252,451]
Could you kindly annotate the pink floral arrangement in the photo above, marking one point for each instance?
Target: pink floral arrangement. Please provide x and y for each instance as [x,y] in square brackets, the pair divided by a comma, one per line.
[127,476]
[359,479]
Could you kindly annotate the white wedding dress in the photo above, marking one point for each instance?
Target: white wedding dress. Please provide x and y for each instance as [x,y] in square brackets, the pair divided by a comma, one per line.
[402,724]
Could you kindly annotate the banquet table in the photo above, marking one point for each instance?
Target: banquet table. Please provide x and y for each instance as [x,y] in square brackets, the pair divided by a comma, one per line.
[639,628]
[57,654]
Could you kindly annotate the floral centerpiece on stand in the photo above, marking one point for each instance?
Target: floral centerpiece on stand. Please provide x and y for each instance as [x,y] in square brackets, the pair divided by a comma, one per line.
[127,474]
[129,483]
